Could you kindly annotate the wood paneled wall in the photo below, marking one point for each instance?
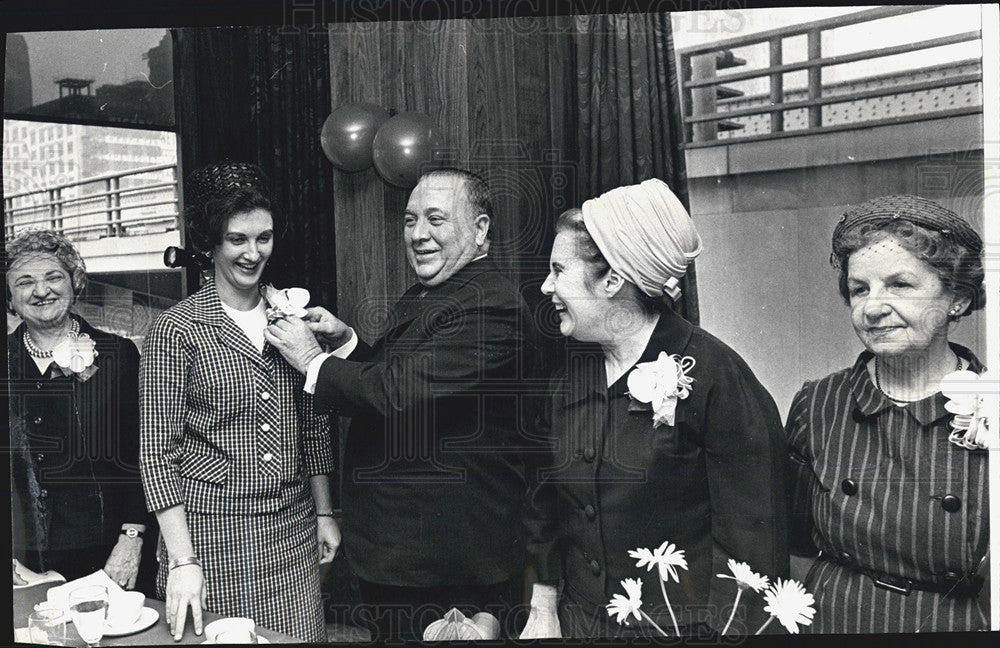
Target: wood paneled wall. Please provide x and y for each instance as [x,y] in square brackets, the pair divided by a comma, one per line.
[500,91]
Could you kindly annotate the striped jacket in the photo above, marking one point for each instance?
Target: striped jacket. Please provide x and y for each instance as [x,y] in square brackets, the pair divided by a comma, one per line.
[223,428]
[880,488]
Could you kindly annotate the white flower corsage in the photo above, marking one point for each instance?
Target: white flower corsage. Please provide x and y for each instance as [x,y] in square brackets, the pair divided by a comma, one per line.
[289,301]
[74,356]
[971,398]
[661,383]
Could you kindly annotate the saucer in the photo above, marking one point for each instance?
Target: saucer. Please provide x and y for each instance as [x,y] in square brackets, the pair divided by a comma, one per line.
[260,640]
[147,618]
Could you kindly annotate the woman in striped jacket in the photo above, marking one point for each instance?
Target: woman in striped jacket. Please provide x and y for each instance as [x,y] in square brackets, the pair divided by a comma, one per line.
[891,486]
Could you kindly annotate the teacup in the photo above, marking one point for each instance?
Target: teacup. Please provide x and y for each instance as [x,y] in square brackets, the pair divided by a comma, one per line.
[125,608]
[233,628]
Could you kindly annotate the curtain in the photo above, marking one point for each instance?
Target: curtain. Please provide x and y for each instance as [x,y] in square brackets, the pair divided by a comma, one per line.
[629,120]
[258,95]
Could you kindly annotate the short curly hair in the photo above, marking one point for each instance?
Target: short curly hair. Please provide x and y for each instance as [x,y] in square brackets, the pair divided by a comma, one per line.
[959,268]
[46,241]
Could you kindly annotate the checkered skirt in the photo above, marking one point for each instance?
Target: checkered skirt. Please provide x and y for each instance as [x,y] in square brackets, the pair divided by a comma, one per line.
[264,566]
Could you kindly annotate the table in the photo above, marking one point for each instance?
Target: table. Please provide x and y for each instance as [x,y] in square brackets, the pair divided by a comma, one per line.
[157,635]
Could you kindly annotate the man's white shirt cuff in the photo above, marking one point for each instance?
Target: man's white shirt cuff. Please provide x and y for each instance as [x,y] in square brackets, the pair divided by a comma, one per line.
[312,372]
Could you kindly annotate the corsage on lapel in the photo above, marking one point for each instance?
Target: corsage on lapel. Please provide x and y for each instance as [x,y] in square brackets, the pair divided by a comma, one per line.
[74,356]
[660,384]
[971,398]
[289,301]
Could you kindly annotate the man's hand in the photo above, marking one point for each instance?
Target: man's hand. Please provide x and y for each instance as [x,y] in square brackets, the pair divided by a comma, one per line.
[293,339]
[327,328]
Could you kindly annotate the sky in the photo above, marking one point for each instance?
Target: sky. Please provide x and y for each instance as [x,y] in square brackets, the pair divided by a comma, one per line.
[105,55]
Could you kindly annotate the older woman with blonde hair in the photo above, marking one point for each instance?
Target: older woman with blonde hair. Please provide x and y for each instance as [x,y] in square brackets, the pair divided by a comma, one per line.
[667,448]
[74,425]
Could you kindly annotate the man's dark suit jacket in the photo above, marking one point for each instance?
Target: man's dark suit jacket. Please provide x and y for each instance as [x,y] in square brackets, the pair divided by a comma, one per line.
[434,475]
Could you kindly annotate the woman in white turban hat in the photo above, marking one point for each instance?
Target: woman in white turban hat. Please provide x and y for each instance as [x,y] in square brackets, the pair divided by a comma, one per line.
[662,436]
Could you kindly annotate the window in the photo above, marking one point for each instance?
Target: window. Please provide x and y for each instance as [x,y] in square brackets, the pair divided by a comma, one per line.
[112,76]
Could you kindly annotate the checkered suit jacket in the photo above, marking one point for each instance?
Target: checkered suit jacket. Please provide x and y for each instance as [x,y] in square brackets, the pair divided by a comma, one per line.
[223,428]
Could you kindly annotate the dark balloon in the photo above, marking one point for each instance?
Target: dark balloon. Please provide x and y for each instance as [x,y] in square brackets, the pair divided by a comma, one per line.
[405,147]
[348,134]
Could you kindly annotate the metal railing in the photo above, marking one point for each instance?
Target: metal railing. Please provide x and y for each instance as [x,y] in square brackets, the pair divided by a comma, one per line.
[128,203]
[703,89]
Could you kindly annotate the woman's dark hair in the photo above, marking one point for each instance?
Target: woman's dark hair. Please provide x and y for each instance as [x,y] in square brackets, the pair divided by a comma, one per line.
[571,221]
[216,193]
[959,269]
[206,222]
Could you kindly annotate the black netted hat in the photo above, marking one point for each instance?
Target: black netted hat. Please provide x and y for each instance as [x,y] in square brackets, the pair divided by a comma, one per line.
[914,209]
[220,178]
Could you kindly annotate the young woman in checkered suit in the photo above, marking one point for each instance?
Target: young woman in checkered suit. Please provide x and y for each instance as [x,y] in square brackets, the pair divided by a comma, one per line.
[230,445]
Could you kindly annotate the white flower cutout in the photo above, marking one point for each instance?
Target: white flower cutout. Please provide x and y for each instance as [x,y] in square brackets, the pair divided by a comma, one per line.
[790,603]
[971,398]
[667,557]
[745,577]
[661,383]
[289,301]
[623,606]
[75,354]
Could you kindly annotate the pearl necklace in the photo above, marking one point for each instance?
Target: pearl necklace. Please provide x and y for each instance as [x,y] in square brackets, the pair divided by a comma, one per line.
[878,383]
[35,352]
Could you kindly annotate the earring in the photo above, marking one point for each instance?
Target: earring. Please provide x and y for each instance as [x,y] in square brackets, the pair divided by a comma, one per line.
[954,311]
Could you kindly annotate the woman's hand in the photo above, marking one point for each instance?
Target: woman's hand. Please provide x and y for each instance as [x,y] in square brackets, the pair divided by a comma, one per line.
[328,535]
[123,563]
[543,619]
[185,587]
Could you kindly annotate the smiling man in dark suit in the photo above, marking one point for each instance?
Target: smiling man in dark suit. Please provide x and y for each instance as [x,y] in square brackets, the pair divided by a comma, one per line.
[434,463]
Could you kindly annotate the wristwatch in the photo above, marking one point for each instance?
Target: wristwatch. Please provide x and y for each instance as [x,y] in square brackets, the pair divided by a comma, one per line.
[132,533]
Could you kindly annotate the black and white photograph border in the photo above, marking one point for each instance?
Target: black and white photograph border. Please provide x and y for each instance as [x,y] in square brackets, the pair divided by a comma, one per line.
[728,19]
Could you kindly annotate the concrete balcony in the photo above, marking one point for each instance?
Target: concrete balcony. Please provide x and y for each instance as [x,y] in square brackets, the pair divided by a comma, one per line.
[120,222]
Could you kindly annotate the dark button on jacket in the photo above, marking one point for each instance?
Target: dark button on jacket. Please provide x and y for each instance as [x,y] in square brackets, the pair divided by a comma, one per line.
[77,448]
[951,503]
[449,512]
[710,484]
[920,510]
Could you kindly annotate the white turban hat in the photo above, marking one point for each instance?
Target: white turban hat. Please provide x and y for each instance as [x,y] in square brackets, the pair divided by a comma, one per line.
[646,235]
